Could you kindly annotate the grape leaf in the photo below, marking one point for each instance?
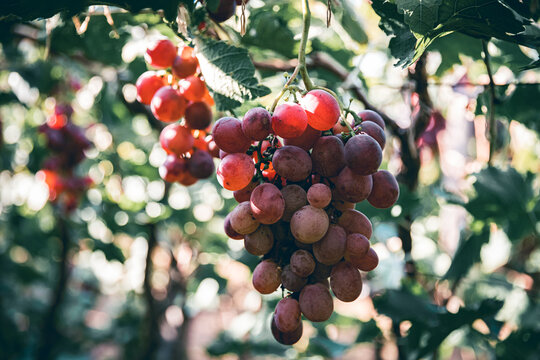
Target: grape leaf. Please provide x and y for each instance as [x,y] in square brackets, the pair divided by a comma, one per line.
[483,19]
[420,15]
[228,73]
[402,42]
[506,198]
[467,254]
[351,22]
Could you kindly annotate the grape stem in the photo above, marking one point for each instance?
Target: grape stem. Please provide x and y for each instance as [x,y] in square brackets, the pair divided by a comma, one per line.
[301,66]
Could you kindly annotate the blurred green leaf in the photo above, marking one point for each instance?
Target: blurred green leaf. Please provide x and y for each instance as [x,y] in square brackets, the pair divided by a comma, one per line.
[467,254]
[506,198]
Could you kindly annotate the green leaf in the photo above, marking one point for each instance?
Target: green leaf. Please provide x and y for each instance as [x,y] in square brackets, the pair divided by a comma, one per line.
[522,105]
[368,332]
[533,65]
[402,42]
[420,15]
[351,22]
[467,254]
[506,198]
[452,47]
[229,73]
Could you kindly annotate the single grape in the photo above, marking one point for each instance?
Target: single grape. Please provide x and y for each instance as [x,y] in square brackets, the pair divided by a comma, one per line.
[316,302]
[235,171]
[193,88]
[244,194]
[185,64]
[352,187]
[375,131]
[302,263]
[267,203]
[357,245]
[229,231]
[342,205]
[289,120]
[259,242]
[266,277]
[319,195]
[385,191]
[353,221]
[363,154]
[147,85]
[322,109]
[284,338]
[321,272]
[161,54]
[291,281]
[369,115]
[173,169]
[198,115]
[176,139]
[309,224]
[346,281]
[306,140]
[242,219]
[331,248]
[229,136]
[256,124]
[292,163]
[201,164]
[224,10]
[287,315]
[367,262]
[328,156]
[295,197]
[168,105]
[213,149]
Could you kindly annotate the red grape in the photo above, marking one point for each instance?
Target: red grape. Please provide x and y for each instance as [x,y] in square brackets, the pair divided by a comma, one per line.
[367,262]
[331,248]
[302,263]
[229,136]
[284,338]
[328,156]
[235,171]
[292,163]
[266,277]
[242,219]
[244,194]
[257,124]
[363,154]
[173,169]
[224,10]
[198,115]
[289,120]
[316,303]
[369,115]
[353,221]
[147,85]
[161,54]
[346,282]
[385,190]
[291,281]
[319,195]
[201,164]
[287,315]
[322,109]
[267,203]
[193,88]
[309,224]
[375,131]
[295,197]
[229,231]
[168,105]
[185,64]
[260,241]
[357,245]
[352,187]
[176,139]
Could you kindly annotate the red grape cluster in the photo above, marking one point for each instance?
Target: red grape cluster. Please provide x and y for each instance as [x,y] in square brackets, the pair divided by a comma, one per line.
[296,201]
[175,92]
[68,142]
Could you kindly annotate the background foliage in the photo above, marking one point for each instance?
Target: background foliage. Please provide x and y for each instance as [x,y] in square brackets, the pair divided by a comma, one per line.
[151,273]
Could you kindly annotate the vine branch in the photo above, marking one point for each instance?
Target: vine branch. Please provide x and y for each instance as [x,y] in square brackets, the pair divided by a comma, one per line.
[492,128]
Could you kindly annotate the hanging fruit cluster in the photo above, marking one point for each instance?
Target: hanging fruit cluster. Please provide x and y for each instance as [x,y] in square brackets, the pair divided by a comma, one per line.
[68,142]
[177,91]
[296,201]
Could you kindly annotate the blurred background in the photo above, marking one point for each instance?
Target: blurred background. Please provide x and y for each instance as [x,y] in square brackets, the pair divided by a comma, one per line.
[131,267]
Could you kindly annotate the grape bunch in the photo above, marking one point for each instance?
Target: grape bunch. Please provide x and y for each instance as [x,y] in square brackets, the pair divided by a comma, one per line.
[67,141]
[178,91]
[297,174]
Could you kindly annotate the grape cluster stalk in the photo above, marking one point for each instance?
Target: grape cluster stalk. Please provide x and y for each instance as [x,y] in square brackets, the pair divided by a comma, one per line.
[176,91]
[297,174]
